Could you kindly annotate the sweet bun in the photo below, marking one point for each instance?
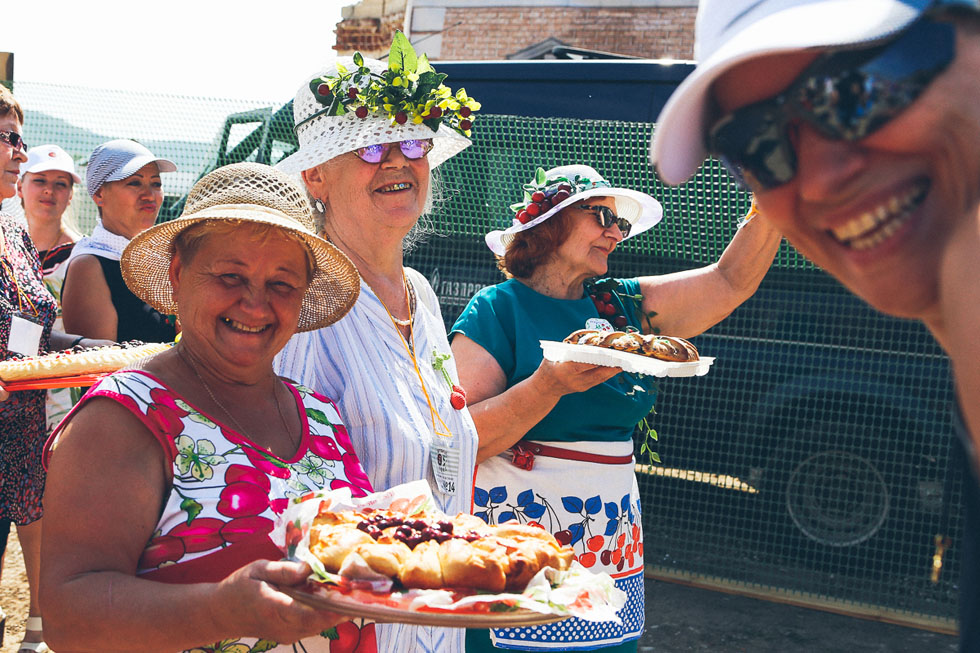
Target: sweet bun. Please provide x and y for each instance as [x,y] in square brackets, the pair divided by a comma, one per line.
[665,348]
[433,552]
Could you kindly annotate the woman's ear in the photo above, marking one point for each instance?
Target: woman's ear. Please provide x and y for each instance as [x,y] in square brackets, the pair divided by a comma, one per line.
[316,182]
[173,273]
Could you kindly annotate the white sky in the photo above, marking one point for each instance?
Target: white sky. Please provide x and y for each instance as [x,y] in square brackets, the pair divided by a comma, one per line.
[241,49]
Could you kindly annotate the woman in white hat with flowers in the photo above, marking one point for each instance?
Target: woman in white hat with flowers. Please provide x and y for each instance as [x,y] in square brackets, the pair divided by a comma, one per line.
[369,134]
[543,423]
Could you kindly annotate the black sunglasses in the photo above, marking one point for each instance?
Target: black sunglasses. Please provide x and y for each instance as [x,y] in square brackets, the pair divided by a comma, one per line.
[606,218]
[844,95]
[13,139]
[415,148]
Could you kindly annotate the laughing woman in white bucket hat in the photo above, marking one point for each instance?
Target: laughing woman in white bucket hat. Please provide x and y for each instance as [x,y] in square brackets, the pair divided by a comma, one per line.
[857,126]
[369,133]
[543,423]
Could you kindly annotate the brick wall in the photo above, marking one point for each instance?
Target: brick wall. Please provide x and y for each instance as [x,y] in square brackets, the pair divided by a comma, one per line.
[495,32]
[371,36]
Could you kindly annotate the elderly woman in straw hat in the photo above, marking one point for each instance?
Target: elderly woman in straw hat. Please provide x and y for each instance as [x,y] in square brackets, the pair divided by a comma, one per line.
[369,135]
[156,533]
[542,423]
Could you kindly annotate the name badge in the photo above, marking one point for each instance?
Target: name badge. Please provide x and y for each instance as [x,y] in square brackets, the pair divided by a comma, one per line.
[25,336]
[445,464]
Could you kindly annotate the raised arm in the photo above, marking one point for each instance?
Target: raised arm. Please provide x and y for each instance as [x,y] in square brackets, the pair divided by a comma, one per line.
[504,415]
[104,491]
[689,302]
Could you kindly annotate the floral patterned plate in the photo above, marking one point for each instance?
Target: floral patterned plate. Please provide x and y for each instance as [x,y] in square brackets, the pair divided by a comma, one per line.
[560,352]
[385,608]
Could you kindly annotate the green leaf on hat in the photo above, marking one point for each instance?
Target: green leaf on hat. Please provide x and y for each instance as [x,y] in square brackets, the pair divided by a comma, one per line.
[402,55]
[358,59]
[539,177]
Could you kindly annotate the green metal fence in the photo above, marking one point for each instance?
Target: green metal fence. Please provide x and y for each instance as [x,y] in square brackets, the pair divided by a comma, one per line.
[810,465]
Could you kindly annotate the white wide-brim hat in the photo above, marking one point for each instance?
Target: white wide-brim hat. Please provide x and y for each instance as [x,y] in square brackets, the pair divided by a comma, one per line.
[322,137]
[729,32]
[48,158]
[245,193]
[640,209]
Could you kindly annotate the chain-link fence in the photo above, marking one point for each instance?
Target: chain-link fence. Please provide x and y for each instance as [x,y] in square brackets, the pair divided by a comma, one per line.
[810,465]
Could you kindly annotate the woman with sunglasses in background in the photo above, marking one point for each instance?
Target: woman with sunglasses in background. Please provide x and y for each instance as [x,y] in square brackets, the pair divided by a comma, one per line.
[366,164]
[27,315]
[556,439]
[879,187]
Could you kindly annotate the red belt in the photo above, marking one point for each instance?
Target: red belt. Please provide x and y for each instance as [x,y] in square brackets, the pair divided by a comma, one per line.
[523,454]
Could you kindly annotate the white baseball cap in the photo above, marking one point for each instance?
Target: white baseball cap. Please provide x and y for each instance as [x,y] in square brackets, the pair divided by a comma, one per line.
[44,158]
[728,32]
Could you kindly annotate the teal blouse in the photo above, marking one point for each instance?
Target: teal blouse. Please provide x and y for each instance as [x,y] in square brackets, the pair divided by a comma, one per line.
[509,319]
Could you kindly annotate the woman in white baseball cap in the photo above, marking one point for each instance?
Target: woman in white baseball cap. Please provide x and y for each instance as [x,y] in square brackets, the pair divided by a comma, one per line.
[123,179]
[576,420]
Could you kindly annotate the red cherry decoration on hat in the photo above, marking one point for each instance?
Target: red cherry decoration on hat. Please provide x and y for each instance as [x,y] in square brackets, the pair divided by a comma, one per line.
[545,205]
[401,117]
[361,112]
[323,89]
[465,124]
[533,209]
[537,196]
[465,112]
[352,93]
[435,112]
[565,187]
[522,216]
[560,196]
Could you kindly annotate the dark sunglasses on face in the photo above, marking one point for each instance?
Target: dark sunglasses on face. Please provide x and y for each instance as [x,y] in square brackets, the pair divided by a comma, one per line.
[606,218]
[13,139]
[844,95]
[415,148]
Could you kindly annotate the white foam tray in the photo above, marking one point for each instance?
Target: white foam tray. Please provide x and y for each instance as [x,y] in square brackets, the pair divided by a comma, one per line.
[561,352]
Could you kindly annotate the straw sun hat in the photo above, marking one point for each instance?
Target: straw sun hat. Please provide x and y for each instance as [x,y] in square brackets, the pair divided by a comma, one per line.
[245,192]
[323,137]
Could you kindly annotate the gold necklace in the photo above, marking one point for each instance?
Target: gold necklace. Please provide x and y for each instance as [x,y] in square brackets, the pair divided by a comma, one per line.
[410,348]
[190,363]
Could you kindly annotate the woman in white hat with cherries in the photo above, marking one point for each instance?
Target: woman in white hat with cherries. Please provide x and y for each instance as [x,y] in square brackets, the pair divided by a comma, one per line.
[543,423]
[369,134]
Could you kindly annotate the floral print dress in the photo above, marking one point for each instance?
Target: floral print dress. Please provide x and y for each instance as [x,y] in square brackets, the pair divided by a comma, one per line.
[22,430]
[227,492]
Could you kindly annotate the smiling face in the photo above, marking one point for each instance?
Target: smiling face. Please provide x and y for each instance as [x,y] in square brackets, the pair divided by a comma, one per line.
[45,195]
[370,199]
[10,158]
[586,250]
[878,213]
[239,296]
[130,205]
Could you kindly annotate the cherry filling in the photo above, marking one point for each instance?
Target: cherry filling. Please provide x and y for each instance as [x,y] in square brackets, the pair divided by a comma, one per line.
[413,532]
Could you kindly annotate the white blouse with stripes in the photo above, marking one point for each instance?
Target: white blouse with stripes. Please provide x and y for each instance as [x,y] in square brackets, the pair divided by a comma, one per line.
[362,364]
